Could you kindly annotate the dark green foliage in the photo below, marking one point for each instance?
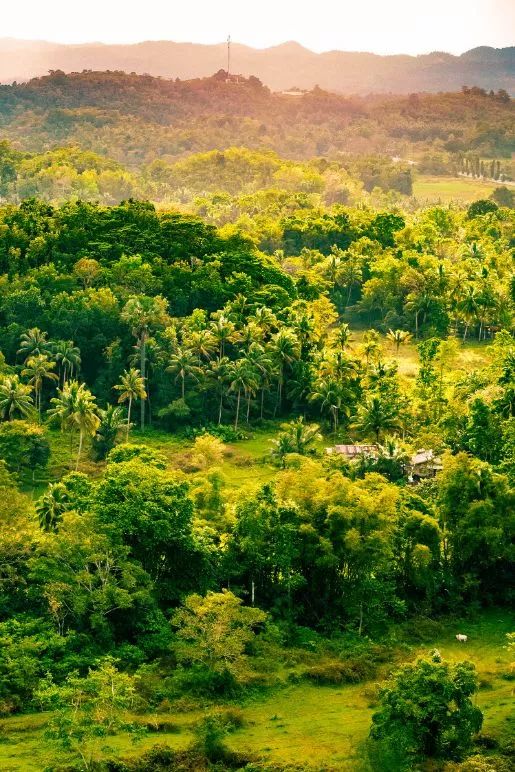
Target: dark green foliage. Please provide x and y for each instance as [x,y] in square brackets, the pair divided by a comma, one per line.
[427,710]
[24,447]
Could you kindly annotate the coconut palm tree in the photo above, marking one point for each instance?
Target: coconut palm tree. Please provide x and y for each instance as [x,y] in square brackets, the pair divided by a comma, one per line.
[376,415]
[342,336]
[33,343]
[184,363]
[51,506]
[131,388]
[398,338]
[468,305]
[218,373]
[261,363]
[203,343]
[223,331]
[329,395]
[297,436]
[142,313]
[284,349]
[242,380]
[76,410]
[112,420]
[67,355]
[37,369]
[265,318]
[14,398]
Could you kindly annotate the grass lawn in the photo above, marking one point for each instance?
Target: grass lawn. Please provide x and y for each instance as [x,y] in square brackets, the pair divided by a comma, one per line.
[447,189]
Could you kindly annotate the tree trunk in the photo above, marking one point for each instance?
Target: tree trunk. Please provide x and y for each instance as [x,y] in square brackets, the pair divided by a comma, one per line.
[237,409]
[183,388]
[248,407]
[80,450]
[143,362]
[220,406]
[129,419]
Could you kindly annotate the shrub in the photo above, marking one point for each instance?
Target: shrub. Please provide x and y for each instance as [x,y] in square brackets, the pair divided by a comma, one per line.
[23,446]
[208,451]
[127,452]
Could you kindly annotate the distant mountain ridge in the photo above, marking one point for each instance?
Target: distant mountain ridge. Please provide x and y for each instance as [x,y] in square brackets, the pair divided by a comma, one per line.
[280,67]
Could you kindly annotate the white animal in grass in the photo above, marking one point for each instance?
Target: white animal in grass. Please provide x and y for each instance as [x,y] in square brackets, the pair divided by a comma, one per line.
[462,638]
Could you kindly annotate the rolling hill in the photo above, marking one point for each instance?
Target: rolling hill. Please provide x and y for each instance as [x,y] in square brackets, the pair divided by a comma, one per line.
[280,67]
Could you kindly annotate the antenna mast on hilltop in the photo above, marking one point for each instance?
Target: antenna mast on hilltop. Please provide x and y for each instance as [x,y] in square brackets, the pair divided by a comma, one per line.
[228,55]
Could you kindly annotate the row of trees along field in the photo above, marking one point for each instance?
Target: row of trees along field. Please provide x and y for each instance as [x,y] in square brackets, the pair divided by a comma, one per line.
[123,315]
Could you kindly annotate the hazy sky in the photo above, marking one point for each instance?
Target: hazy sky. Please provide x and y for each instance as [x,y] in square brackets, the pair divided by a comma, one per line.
[382,26]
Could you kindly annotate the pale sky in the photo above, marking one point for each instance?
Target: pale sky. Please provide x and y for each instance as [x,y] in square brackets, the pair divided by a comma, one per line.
[381,26]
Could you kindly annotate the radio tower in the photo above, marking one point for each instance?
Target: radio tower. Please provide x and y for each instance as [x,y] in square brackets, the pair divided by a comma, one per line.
[228,56]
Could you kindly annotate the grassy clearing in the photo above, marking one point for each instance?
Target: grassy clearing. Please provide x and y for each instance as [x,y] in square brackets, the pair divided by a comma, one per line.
[321,725]
[446,189]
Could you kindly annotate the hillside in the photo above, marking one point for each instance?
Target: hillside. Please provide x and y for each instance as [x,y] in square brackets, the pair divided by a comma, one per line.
[345,72]
[137,119]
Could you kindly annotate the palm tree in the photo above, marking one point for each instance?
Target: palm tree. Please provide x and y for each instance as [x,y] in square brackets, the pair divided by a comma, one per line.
[300,435]
[250,334]
[284,349]
[51,506]
[223,331]
[328,393]
[184,363]
[243,379]
[75,408]
[469,307]
[349,274]
[398,337]
[219,372]
[376,415]
[68,357]
[203,343]
[37,369]
[265,318]
[142,313]
[342,336]
[418,302]
[131,388]
[33,343]
[112,420]
[14,398]
[371,345]
[260,362]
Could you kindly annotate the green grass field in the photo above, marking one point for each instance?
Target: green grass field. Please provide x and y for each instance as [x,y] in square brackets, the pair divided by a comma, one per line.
[322,726]
[447,189]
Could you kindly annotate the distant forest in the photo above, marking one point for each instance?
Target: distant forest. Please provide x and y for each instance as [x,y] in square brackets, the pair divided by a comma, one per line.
[109,136]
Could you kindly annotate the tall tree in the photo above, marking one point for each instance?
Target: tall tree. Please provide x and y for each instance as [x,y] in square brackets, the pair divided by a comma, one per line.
[142,313]
[131,388]
[76,410]
[38,368]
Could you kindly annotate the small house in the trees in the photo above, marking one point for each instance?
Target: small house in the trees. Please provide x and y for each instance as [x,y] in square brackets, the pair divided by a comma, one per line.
[424,465]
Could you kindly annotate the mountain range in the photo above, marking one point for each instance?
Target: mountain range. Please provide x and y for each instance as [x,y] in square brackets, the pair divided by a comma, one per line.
[281,67]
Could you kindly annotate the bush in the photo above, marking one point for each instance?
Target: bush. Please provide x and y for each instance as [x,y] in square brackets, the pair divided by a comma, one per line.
[428,707]
[127,452]
[347,671]
[23,446]
[208,451]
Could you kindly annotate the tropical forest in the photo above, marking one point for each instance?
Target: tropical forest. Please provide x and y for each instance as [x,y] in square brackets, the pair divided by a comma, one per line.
[257,427]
